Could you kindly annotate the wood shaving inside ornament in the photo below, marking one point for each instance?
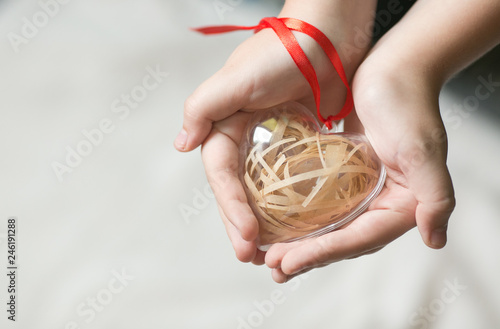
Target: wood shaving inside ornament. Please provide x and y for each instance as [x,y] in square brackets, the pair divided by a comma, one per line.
[300,182]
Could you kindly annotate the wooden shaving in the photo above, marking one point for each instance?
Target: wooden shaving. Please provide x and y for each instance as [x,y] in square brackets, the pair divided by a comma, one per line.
[303,181]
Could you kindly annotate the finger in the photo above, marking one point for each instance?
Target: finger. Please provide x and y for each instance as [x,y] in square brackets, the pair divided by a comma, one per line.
[430,181]
[277,251]
[280,277]
[246,251]
[365,253]
[220,157]
[217,98]
[374,229]
[344,243]
[259,258]
[435,205]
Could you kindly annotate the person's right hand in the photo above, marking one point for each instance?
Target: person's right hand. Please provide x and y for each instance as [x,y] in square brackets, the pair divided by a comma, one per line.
[258,75]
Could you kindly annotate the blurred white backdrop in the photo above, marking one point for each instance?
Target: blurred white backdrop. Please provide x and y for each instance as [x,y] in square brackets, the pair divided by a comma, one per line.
[103,244]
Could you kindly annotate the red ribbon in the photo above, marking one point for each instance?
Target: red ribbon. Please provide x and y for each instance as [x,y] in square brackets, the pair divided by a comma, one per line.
[283,27]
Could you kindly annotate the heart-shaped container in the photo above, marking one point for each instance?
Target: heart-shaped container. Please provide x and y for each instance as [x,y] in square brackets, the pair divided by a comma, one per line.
[302,181]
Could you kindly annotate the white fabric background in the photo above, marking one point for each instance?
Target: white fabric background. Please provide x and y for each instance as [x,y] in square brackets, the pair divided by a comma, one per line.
[119,209]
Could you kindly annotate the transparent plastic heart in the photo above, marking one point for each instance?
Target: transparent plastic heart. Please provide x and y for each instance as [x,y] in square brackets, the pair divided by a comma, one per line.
[303,181]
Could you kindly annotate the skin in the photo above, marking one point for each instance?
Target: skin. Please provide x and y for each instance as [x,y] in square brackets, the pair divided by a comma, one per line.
[396,88]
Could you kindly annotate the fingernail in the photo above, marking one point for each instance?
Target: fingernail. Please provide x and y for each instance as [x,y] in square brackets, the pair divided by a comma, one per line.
[181,139]
[438,237]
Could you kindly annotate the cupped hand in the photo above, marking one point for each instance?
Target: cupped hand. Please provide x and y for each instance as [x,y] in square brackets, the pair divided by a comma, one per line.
[400,113]
[258,75]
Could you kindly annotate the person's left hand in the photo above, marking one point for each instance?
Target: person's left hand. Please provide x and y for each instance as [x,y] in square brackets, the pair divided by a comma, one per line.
[399,110]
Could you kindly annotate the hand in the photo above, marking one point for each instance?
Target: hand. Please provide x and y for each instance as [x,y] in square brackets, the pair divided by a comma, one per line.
[260,74]
[220,148]
[399,110]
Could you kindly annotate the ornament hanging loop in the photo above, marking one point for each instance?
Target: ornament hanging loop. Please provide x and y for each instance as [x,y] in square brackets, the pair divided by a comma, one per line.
[331,127]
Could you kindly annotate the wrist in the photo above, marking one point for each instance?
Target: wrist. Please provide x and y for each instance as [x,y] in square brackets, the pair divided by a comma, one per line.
[384,67]
[348,25]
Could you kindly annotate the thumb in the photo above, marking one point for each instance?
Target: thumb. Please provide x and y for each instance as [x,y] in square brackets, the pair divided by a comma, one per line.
[216,99]
[434,210]
[430,182]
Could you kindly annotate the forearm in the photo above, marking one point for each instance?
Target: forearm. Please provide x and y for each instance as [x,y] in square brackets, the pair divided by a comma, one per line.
[437,38]
[339,16]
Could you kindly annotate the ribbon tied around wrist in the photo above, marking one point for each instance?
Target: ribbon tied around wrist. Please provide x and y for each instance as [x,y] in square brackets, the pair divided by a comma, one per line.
[283,27]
